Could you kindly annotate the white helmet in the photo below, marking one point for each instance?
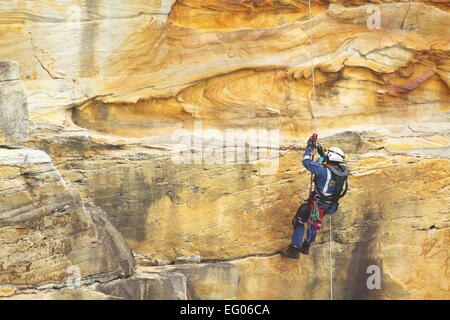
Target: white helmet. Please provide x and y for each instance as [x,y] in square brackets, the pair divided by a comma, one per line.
[335,154]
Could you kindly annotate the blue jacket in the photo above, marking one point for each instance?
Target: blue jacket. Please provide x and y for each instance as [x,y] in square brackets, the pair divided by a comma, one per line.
[324,180]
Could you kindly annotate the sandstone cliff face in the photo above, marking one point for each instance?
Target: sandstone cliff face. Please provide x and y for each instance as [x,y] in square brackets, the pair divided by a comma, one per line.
[108,106]
[46,229]
[13,102]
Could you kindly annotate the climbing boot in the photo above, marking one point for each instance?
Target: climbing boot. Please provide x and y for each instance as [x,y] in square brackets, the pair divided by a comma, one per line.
[305,248]
[291,252]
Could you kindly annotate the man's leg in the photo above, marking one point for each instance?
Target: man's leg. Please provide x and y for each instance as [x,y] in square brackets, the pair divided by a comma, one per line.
[296,243]
[313,227]
[311,232]
[297,235]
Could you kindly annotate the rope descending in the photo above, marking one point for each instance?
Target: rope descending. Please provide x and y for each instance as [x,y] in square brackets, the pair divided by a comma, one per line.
[313,111]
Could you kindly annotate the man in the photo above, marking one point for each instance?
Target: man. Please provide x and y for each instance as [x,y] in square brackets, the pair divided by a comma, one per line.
[330,183]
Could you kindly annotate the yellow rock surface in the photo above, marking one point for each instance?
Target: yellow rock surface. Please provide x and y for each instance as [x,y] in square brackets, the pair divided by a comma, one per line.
[46,230]
[110,87]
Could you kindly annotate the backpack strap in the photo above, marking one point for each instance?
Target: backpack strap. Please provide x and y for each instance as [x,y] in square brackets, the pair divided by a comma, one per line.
[342,185]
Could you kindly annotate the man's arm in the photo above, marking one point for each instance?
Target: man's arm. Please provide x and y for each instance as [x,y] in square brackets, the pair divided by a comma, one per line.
[311,165]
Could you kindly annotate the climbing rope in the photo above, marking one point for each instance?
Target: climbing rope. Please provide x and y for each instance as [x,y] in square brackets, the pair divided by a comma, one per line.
[312,158]
[313,100]
[313,113]
[331,268]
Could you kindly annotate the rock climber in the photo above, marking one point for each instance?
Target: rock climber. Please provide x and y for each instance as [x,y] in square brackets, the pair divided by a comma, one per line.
[330,184]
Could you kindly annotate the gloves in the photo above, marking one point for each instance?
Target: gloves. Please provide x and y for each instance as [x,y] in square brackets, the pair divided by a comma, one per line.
[312,141]
[320,150]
